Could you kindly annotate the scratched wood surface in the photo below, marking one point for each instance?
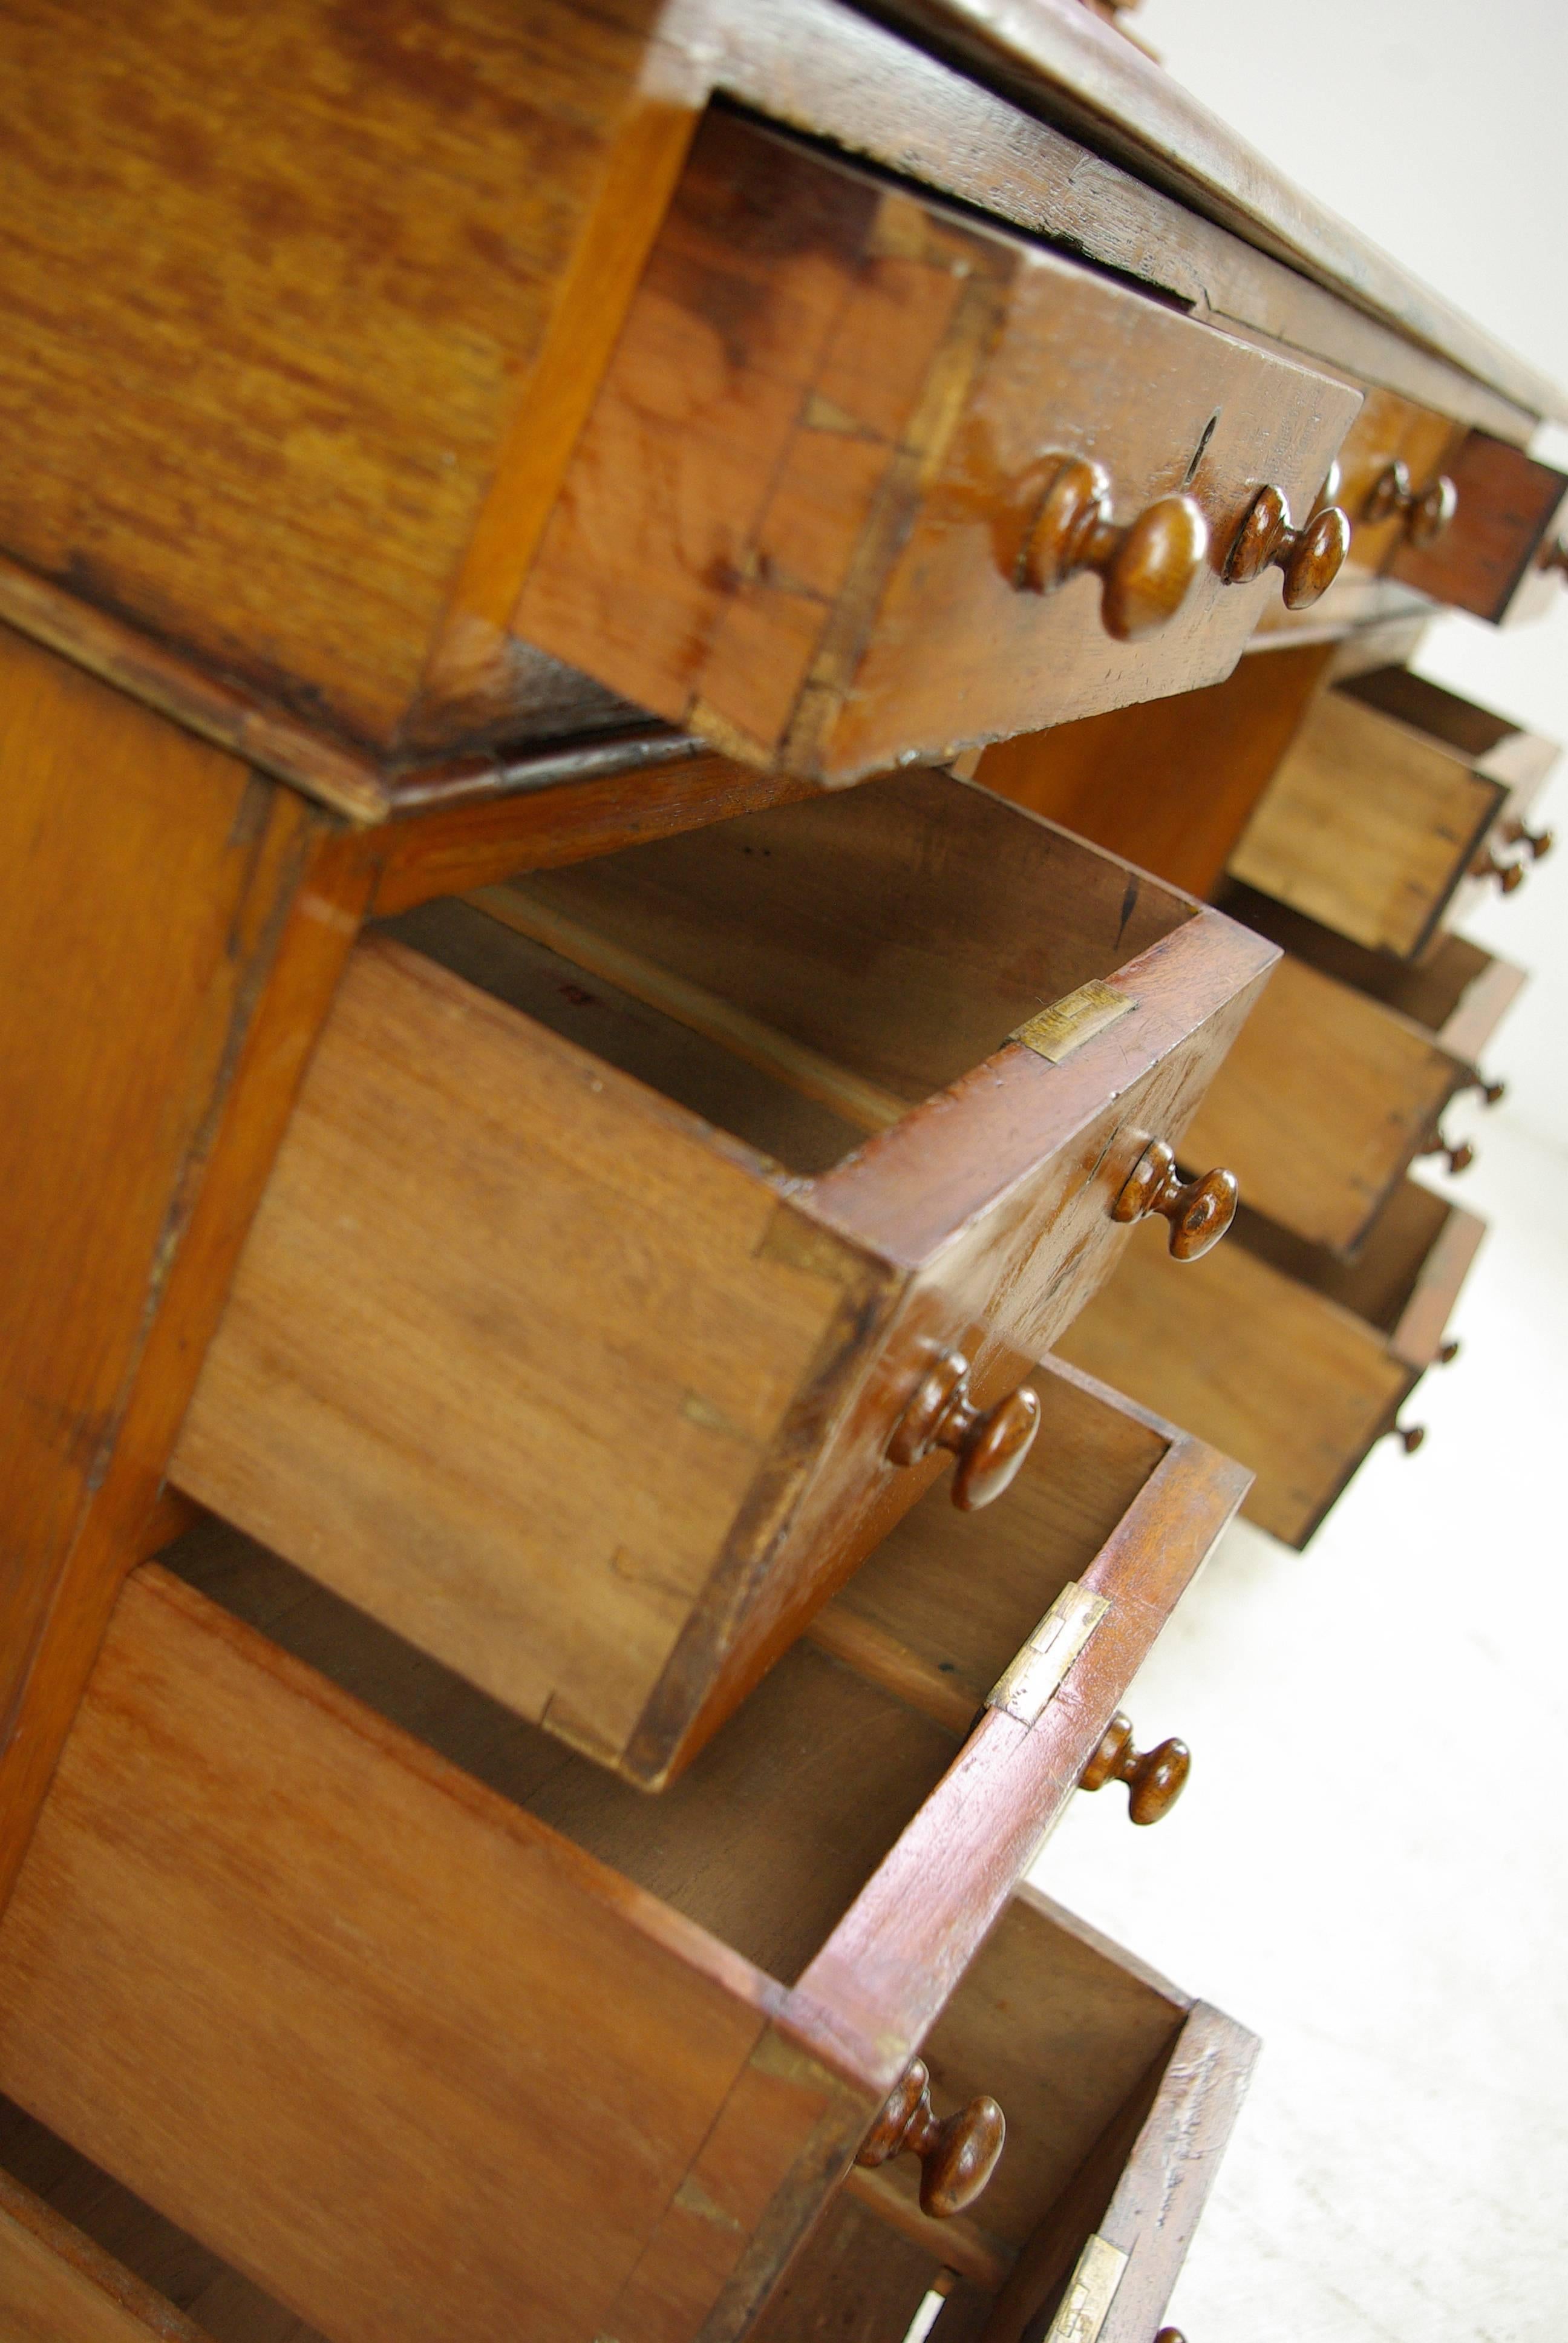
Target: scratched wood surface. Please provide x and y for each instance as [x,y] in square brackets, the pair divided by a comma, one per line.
[786,497]
[595,1437]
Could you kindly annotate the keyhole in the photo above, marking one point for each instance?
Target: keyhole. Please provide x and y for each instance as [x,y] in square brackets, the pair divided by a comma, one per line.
[1201,449]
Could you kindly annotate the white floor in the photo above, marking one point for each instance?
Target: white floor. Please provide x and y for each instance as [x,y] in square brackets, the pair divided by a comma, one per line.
[1368,1866]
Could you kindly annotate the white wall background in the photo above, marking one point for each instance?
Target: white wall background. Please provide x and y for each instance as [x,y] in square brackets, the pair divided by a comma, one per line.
[1369,1866]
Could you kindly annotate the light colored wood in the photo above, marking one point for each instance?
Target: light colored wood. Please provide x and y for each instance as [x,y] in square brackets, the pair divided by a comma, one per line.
[570,1475]
[321,297]
[174,924]
[1323,1102]
[1368,826]
[438,2002]
[1290,1359]
[1293,1387]
[57,2287]
[1169,783]
[440,2019]
[786,503]
[585,1394]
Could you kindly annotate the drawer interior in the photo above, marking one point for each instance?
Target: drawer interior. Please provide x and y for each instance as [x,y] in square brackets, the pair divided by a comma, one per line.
[1453,723]
[774,1828]
[1072,2037]
[1379,1285]
[223,2304]
[1429,991]
[805,975]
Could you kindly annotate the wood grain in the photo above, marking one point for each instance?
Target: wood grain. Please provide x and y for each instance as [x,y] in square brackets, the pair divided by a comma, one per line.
[1169,784]
[175,925]
[1323,1104]
[1291,1360]
[398,1966]
[1488,562]
[1379,808]
[386,2078]
[321,297]
[57,2287]
[814,458]
[633,1456]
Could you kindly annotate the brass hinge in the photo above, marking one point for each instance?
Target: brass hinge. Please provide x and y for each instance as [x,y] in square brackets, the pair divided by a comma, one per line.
[1055,1032]
[1028,1681]
[1090,2293]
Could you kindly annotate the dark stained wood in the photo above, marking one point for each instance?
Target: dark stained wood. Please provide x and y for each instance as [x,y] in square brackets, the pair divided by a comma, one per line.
[661,1483]
[798,518]
[1199,1211]
[175,924]
[1155,1778]
[1170,783]
[1148,567]
[991,1443]
[1495,558]
[1310,557]
[958,2153]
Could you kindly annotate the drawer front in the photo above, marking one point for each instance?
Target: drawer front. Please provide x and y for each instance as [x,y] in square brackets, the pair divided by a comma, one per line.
[1121,2095]
[1386,514]
[1290,1361]
[802,514]
[589,1398]
[420,2053]
[1502,555]
[1321,1106]
[1395,805]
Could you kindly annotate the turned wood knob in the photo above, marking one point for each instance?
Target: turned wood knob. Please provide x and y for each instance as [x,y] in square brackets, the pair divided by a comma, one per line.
[1148,567]
[1448,1351]
[958,2156]
[1460,1158]
[1409,1436]
[1155,1778]
[1199,1211]
[1508,875]
[1492,1094]
[991,1443]
[1425,517]
[1170,2335]
[1312,557]
[1537,843]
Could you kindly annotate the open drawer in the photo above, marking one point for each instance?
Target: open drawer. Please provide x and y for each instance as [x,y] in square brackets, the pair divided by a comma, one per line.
[1324,1102]
[868,481]
[462,2036]
[1122,2093]
[58,2286]
[1503,556]
[586,1338]
[1395,804]
[1295,1361]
